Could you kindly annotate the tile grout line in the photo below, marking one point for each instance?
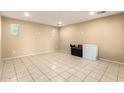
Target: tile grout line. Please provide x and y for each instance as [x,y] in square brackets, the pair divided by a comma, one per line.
[48,67]
[61,72]
[37,58]
[118,72]
[74,73]
[27,69]
[104,72]
[64,70]
[89,73]
[2,72]
[54,71]
[15,70]
[38,68]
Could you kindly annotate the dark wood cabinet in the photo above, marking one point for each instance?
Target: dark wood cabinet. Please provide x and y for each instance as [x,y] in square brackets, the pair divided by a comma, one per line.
[76,51]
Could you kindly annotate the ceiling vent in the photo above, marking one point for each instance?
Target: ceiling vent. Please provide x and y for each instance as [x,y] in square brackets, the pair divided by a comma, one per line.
[101,12]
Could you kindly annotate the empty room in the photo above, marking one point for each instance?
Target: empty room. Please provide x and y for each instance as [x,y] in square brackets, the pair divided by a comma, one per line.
[62,46]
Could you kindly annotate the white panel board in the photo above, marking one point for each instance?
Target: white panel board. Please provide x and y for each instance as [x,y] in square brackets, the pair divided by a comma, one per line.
[90,51]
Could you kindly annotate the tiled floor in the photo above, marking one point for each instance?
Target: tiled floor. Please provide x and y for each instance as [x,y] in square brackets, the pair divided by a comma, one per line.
[59,67]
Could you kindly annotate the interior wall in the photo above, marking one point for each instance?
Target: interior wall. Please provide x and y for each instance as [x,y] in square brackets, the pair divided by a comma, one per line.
[0,39]
[33,38]
[107,33]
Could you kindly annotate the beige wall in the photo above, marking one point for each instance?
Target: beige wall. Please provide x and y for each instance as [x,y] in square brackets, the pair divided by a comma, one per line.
[107,33]
[34,38]
[0,39]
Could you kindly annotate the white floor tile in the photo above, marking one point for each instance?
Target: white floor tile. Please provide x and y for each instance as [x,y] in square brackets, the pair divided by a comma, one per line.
[59,67]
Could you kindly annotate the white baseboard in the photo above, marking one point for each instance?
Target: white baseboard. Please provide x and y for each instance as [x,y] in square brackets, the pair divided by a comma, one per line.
[49,51]
[111,61]
[65,51]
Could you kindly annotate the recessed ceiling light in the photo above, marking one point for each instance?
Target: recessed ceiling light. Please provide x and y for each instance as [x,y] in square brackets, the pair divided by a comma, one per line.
[59,23]
[26,14]
[92,13]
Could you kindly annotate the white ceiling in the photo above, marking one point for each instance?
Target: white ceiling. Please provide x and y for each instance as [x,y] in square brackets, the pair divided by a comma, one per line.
[53,17]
